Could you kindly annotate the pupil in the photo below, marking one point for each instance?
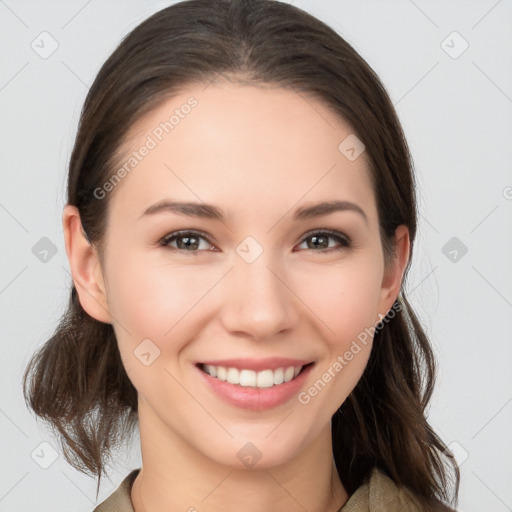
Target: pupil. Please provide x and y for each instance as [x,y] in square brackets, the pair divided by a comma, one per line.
[315,241]
[187,242]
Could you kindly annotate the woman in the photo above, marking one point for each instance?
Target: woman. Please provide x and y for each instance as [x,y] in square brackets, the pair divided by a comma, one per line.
[240,221]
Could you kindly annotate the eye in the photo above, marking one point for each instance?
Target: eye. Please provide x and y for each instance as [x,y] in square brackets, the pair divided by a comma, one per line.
[190,241]
[320,240]
[187,241]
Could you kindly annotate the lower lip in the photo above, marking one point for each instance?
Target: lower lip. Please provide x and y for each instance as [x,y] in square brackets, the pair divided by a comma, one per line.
[252,398]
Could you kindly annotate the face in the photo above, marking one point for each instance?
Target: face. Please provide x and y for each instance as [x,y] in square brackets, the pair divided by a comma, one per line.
[251,279]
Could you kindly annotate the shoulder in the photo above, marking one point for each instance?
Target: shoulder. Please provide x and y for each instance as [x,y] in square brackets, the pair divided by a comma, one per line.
[120,499]
[380,494]
[387,496]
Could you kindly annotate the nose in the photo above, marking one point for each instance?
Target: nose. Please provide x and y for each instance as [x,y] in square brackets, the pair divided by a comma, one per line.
[257,300]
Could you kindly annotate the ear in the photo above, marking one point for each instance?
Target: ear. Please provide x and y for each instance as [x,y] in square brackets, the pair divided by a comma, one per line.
[85,266]
[392,278]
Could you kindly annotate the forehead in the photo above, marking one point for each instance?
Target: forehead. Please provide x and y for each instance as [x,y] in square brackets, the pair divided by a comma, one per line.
[242,146]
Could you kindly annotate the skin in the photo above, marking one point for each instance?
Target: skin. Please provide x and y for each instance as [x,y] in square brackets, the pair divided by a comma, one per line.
[258,153]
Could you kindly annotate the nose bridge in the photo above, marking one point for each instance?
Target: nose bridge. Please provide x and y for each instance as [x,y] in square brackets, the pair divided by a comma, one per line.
[256,301]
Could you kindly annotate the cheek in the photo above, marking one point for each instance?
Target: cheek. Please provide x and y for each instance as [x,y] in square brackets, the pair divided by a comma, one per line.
[344,297]
[154,302]
[151,300]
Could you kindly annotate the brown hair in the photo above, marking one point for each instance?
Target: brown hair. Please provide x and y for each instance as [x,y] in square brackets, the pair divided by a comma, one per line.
[76,381]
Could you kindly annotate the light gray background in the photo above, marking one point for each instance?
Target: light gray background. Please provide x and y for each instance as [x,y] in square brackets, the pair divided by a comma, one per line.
[456,113]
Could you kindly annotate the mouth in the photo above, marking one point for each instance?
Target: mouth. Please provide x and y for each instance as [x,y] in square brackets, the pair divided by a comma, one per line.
[246,377]
[255,385]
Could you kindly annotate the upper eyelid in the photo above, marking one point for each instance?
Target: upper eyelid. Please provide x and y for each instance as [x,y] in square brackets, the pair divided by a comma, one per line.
[183,232]
[329,232]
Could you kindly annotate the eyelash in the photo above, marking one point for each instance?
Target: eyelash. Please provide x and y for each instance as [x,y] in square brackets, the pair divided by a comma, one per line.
[343,240]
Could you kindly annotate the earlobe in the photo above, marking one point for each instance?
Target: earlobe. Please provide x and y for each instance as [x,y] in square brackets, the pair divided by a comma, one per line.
[85,266]
[393,276]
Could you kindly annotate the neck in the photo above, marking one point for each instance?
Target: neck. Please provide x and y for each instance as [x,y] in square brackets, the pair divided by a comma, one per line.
[175,476]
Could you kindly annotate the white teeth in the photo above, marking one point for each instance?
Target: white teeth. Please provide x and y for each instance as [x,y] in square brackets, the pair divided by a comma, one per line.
[212,370]
[262,379]
[278,376]
[221,372]
[288,373]
[265,379]
[247,378]
[233,376]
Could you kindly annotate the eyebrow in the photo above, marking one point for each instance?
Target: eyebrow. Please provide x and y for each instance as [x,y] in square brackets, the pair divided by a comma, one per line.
[208,211]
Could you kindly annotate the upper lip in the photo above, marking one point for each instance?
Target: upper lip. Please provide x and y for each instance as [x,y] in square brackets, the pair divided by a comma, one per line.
[269,363]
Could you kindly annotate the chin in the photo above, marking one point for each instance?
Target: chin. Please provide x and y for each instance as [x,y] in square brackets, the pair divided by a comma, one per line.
[257,450]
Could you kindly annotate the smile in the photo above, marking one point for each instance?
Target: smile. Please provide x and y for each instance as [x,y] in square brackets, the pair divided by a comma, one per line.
[255,385]
[251,378]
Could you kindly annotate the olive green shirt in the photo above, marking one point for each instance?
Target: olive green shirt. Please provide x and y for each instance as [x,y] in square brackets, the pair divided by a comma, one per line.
[378,494]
